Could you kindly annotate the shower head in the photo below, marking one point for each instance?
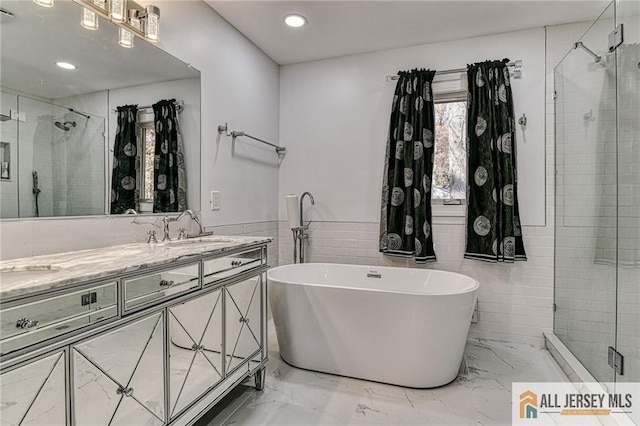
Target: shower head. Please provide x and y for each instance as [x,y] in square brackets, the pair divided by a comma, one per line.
[66,126]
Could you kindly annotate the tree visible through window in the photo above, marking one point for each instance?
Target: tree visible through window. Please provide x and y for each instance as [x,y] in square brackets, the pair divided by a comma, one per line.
[450,158]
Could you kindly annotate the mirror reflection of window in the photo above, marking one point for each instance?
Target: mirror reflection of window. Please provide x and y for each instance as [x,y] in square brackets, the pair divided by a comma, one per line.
[147,154]
[149,138]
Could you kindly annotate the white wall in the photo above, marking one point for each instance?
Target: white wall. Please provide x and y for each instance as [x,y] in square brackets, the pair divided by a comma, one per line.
[334,117]
[240,85]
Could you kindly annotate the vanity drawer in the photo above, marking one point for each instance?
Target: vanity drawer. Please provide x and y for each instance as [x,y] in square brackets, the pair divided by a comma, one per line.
[152,288]
[223,267]
[40,320]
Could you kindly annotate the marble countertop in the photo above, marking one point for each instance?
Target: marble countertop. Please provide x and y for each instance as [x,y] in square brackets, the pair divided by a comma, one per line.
[31,275]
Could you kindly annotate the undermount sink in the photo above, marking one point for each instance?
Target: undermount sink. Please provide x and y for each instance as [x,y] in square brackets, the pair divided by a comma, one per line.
[202,240]
[11,274]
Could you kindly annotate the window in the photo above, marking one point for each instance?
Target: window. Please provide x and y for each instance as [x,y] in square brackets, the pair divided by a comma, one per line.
[147,153]
[149,143]
[450,157]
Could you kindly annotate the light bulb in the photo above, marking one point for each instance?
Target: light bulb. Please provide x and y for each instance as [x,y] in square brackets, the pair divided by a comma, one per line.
[89,19]
[44,3]
[126,38]
[118,11]
[152,27]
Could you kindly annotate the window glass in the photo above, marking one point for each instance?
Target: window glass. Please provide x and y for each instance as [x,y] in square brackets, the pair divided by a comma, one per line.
[450,158]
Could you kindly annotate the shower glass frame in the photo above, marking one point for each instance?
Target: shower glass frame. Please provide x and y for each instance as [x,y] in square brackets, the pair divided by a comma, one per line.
[597,205]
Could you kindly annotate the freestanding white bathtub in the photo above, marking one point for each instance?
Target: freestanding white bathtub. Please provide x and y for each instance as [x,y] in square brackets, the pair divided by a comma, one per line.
[401,326]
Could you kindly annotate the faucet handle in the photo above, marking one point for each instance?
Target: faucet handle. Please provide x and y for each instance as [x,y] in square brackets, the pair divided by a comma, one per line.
[182,235]
[152,237]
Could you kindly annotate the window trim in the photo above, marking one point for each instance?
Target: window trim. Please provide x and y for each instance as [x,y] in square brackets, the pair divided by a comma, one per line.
[438,207]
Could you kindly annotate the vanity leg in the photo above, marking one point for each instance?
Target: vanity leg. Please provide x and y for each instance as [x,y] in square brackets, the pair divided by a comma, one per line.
[259,377]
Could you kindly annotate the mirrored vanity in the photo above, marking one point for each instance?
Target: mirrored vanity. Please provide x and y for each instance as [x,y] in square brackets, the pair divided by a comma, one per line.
[141,333]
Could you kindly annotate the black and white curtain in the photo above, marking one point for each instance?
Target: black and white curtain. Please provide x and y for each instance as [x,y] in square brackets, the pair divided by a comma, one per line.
[493,221]
[405,222]
[124,192]
[169,182]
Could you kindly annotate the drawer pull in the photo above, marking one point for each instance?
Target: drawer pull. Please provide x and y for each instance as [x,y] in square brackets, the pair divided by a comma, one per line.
[196,347]
[236,263]
[25,323]
[124,391]
[244,320]
[167,283]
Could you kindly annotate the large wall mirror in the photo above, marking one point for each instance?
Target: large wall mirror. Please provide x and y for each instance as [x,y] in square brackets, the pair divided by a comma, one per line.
[64,134]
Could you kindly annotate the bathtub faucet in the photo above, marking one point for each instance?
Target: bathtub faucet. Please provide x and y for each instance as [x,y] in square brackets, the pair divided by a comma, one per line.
[299,234]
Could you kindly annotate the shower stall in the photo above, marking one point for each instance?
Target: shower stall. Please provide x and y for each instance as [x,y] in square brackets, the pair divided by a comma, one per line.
[597,196]
[57,160]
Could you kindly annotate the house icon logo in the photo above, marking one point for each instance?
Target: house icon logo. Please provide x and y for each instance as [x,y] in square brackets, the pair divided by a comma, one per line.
[528,405]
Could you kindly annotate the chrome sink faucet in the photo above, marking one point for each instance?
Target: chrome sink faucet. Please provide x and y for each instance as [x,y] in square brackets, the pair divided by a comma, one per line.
[166,220]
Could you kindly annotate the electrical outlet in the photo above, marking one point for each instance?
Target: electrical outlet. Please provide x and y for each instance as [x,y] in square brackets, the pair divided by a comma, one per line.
[215,200]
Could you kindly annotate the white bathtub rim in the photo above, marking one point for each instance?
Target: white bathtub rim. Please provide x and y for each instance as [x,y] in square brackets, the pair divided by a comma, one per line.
[472,287]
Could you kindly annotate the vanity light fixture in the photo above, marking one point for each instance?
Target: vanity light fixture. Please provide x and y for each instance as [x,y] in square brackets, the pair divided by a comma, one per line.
[136,21]
[89,17]
[126,38]
[118,12]
[44,3]
[295,20]
[66,65]
[152,25]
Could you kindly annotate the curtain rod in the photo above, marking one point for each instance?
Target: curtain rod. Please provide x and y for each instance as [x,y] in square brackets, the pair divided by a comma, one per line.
[516,65]
[179,107]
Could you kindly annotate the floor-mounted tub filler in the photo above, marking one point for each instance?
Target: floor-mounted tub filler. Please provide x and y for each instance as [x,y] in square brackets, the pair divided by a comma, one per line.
[400,326]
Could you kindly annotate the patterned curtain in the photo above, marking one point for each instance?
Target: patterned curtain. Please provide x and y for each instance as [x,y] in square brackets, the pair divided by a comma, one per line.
[124,194]
[493,220]
[405,223]
[169,181]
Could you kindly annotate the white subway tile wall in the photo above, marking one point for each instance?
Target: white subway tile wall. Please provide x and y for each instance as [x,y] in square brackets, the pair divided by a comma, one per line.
[255,229]
[515,300]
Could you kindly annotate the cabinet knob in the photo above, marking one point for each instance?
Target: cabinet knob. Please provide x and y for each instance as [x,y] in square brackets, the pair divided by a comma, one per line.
[124,391]
[25,323]
[167,283]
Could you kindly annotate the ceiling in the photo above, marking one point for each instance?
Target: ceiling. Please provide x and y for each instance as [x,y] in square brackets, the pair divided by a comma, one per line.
[339,28]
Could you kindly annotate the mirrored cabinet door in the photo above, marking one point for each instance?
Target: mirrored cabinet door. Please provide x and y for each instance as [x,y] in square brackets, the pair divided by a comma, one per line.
[35,392]
[243,336]
[118,376]
[195,339]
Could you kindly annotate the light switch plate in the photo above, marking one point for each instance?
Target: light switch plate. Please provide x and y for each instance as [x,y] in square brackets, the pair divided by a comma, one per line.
[215,200]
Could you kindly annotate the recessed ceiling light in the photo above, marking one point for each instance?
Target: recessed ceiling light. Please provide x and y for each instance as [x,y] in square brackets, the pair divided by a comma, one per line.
[294,20]
[66,65]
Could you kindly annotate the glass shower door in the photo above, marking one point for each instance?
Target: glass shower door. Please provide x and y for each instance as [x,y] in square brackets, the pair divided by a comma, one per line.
[628,100]
[586,199]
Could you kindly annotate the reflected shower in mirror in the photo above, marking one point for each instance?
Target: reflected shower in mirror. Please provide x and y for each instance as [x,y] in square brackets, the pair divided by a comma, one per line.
[58,126]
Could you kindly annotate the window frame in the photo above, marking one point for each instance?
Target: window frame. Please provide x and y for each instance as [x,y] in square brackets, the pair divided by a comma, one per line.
[455,207]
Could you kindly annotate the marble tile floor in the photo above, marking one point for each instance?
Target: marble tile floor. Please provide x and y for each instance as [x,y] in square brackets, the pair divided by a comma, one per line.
[481,395]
